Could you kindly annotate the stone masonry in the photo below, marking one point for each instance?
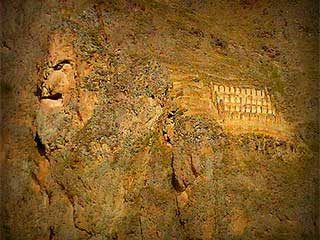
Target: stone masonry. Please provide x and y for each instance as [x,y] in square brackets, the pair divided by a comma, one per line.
[243,103]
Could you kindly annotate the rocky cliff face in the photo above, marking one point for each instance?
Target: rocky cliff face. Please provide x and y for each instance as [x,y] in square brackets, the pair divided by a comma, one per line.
[159,120]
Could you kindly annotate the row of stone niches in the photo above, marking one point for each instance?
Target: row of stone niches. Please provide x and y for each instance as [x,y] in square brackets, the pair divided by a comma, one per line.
[247,116]
[245,100]
[239,91]
[225,107]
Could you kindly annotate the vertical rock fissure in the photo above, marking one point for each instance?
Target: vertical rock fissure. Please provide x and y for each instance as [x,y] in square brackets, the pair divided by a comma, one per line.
[193,167]
[72,203]
[40,146]
[178,189]
[140,225]
[51,233]
[178,213]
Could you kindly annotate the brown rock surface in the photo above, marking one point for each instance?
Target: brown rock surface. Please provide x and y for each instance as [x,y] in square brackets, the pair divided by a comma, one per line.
[111,127]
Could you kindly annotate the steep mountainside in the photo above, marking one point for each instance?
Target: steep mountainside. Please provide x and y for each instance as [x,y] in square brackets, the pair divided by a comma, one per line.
[150,119]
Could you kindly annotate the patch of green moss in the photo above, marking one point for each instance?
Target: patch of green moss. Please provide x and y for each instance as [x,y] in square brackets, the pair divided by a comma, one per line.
[277,84]
[6,232]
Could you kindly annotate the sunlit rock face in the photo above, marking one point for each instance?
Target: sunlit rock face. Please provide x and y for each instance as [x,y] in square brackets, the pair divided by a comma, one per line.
[63,108]
[248,110]
[161,120]
[103,145]
[59,78]
[239,109]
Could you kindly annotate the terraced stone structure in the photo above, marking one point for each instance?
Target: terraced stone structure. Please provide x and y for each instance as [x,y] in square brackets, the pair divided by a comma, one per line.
[239,109]
[244,103]
[247,109]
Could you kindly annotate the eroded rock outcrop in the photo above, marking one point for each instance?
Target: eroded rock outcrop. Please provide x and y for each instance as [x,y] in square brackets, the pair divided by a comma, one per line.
[64,106]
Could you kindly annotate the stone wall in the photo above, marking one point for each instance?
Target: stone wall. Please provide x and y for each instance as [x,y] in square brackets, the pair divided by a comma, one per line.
[244,103]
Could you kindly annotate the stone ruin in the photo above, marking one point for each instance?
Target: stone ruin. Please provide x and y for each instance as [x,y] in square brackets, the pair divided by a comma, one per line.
[247,109]
[239,103]
[238,109]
